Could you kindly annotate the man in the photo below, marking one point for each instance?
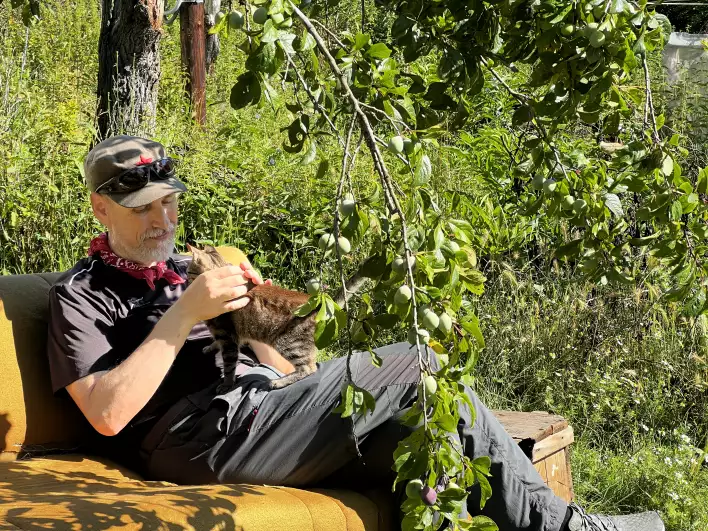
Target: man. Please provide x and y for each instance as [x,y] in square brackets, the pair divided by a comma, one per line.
[126,341]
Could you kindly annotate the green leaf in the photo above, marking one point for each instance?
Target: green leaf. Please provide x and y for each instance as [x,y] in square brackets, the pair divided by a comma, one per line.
[447,422]
[387,320]
[310,154]
[676,210]
[614,204]
[471,326]
[375,359]
[702,181]
[246,91]
[646,240]
[346,406]
[483,523]
[422,172]
[361,40]
[569,249]
[667,166]
[378,51]
[325,333]
[305,42]
[307,308]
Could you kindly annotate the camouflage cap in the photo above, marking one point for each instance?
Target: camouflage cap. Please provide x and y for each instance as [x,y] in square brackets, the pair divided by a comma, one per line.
[117,154]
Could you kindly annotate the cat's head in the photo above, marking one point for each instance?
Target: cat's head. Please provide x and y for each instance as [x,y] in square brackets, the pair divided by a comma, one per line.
[204,260]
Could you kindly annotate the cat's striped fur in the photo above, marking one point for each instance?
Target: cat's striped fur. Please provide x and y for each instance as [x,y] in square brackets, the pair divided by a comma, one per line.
[268,318]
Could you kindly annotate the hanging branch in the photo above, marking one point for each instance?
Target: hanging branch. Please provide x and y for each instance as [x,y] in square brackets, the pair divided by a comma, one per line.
[649,103]
[346,155]
[382,170]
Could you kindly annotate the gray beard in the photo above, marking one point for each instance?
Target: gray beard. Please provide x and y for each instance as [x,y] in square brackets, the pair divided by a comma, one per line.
[143,254]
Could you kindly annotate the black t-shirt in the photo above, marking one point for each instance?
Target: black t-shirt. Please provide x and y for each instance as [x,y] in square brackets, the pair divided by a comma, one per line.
[100,315]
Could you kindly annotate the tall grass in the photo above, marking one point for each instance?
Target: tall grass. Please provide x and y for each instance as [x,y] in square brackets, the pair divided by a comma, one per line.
[628,371]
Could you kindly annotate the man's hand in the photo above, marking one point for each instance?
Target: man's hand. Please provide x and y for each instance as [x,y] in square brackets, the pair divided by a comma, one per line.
[253,275]
[215,292]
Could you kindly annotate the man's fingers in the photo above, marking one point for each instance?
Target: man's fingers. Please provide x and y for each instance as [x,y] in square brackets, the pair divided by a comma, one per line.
[226,271]
[237,304]
[235,293]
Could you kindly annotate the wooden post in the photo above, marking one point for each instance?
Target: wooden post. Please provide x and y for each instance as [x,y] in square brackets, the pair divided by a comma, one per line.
[193,38]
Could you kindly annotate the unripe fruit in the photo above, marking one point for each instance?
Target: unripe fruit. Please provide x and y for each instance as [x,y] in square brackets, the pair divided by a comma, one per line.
[413,488]
[429,496]
[597,39]
[579,206]
[430,319]
[403,295]
[399,265]
[235,20]
[423,336]
[445,324]
[313,286]
[219,17]
[260,15]
[408,146]
[326,241]
[278,18]
[395,145]
[343,245]
[568,201]
[347,206]
[537,182]
[430,385]
[549,186]
[568,30]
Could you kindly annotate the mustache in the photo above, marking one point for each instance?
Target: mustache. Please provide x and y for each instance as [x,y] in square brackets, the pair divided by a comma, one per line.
[157,233]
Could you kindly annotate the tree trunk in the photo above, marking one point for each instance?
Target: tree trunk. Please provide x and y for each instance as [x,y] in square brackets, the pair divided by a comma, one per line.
[129,66]
[211,8]
[193,41]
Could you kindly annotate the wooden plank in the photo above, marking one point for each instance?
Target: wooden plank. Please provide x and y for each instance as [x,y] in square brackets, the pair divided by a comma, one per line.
[536,425]
[558,476]
[553,443]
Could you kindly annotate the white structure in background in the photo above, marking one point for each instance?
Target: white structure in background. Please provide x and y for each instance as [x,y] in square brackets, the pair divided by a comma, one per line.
[686,65]
[687,52]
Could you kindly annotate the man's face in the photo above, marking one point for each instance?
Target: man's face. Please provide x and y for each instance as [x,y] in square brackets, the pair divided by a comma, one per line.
[143,234]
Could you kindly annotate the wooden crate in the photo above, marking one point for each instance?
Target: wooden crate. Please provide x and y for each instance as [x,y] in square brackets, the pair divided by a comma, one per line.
[546,440]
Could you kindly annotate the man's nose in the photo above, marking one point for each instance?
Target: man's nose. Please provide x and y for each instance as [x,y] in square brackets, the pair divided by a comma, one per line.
[161,217]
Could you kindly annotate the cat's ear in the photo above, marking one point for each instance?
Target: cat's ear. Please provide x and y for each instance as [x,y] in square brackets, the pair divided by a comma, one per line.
[210,249]
[191,249]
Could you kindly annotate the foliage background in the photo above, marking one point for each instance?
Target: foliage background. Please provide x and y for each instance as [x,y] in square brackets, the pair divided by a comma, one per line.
[627,371]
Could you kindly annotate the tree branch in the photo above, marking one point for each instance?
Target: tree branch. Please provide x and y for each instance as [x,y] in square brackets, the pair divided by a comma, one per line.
[649,103]
[381,169]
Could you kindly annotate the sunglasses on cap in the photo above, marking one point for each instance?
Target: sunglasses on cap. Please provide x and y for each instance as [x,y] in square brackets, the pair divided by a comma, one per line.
[136,178]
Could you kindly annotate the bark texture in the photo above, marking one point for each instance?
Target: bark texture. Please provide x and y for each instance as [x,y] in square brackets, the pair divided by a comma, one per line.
[211,8]
[129,66]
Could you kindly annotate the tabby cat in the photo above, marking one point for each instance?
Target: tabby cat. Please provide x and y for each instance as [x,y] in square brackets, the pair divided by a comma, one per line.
[268,318]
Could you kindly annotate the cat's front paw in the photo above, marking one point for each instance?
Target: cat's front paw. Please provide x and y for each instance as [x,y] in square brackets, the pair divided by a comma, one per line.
[213,348]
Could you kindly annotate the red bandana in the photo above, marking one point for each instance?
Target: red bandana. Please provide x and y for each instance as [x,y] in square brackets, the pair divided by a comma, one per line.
[150,274]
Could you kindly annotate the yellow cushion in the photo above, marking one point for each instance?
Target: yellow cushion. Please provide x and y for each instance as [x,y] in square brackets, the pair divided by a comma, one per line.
[78,492]
[30,416]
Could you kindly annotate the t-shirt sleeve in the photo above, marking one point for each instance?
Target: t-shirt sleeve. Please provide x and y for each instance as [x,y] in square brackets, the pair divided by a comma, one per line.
[76,346]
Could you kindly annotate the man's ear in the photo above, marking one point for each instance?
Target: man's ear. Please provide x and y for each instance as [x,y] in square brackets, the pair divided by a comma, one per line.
[99,204]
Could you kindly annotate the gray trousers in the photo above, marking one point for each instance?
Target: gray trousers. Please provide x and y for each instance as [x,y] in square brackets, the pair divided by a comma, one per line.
[291,437]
